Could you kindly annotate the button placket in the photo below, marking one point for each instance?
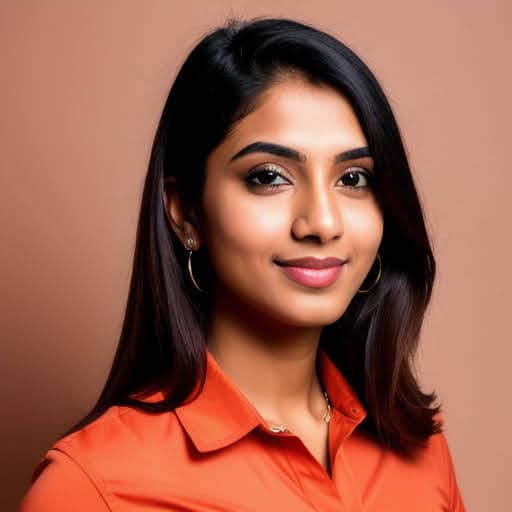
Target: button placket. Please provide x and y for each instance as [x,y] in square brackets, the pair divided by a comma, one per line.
[314,480]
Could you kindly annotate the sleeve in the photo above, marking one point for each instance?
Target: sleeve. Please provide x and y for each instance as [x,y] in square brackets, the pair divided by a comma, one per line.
[455,501]
[59,484]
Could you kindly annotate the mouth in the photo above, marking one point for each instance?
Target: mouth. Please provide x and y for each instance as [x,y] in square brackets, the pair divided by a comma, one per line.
[312,272]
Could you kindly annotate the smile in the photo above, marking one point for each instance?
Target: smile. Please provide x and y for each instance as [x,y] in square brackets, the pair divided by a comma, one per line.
[313,277]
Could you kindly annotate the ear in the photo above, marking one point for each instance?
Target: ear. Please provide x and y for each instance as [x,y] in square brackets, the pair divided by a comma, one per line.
[182,225]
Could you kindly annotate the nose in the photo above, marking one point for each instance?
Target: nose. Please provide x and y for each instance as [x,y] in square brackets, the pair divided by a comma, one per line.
[318,214]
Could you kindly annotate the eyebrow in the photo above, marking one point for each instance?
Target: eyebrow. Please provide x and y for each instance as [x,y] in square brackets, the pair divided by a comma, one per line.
[293,154]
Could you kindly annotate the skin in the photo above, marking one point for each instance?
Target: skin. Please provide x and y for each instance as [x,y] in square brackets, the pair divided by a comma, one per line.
[265,327]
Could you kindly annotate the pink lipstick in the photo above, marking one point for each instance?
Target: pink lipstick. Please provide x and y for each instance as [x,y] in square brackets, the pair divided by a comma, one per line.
[310,271]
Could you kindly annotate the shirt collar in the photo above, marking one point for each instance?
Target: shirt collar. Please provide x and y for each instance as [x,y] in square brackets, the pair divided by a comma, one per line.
[221,415]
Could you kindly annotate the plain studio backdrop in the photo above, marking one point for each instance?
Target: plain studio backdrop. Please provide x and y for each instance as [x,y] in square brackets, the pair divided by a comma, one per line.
[82,88]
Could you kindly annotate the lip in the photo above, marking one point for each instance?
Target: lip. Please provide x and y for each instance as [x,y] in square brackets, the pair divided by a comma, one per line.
[311,262]
[313,272]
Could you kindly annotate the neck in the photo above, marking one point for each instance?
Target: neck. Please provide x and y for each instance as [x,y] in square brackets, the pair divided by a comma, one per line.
[273,365]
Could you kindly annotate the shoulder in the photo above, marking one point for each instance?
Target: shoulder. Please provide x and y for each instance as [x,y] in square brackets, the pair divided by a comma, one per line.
[59,483]
[445,461]
[92,461]
[437,464]
[428,475]
[119,435]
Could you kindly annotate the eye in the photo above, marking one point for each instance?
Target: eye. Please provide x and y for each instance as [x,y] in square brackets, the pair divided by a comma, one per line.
[265,176]
[356,177]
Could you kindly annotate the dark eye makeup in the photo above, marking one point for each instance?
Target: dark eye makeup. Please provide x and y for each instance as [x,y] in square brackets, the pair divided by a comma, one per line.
[354,177]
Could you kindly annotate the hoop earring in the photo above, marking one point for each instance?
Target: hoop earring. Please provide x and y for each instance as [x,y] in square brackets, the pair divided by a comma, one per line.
[376,280]
[191,244]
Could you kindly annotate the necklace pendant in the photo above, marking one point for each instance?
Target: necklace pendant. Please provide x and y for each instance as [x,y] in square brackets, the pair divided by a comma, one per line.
[278,429]
[327,417]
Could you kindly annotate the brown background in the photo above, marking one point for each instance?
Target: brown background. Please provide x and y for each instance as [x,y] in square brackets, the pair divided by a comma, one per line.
[82,88]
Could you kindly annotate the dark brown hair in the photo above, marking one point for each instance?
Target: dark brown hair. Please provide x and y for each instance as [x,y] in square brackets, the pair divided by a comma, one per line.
[162,343]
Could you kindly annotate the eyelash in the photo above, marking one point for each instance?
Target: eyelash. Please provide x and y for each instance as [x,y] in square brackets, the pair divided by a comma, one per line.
[272,169]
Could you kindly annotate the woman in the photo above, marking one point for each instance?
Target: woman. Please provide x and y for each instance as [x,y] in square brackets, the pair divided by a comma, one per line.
[282,271]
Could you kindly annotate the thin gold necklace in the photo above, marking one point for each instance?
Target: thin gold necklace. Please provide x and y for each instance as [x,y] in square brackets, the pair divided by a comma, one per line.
[326,418]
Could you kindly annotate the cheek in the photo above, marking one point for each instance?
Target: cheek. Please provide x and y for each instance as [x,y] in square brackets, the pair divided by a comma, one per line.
[242,226]
[365,225]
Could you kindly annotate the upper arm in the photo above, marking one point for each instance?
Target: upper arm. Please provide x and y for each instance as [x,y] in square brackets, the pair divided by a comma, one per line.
[59,484]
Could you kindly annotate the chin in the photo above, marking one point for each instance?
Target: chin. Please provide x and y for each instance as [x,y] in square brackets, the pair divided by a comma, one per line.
[289,307]
[320,320]
[307,315]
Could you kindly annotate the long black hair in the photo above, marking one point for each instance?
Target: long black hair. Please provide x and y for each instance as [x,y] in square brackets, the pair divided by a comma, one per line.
[163,338]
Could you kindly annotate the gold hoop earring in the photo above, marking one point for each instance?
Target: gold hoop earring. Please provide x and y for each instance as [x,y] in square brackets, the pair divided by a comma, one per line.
[191,244]
[376,280]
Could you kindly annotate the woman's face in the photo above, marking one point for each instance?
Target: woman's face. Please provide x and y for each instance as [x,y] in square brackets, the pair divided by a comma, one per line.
[295,194]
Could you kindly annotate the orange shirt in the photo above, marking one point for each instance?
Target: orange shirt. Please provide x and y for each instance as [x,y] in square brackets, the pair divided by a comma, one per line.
[217,453]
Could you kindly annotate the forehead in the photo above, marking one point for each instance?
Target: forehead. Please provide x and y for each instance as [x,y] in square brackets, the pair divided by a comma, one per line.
[314,118]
